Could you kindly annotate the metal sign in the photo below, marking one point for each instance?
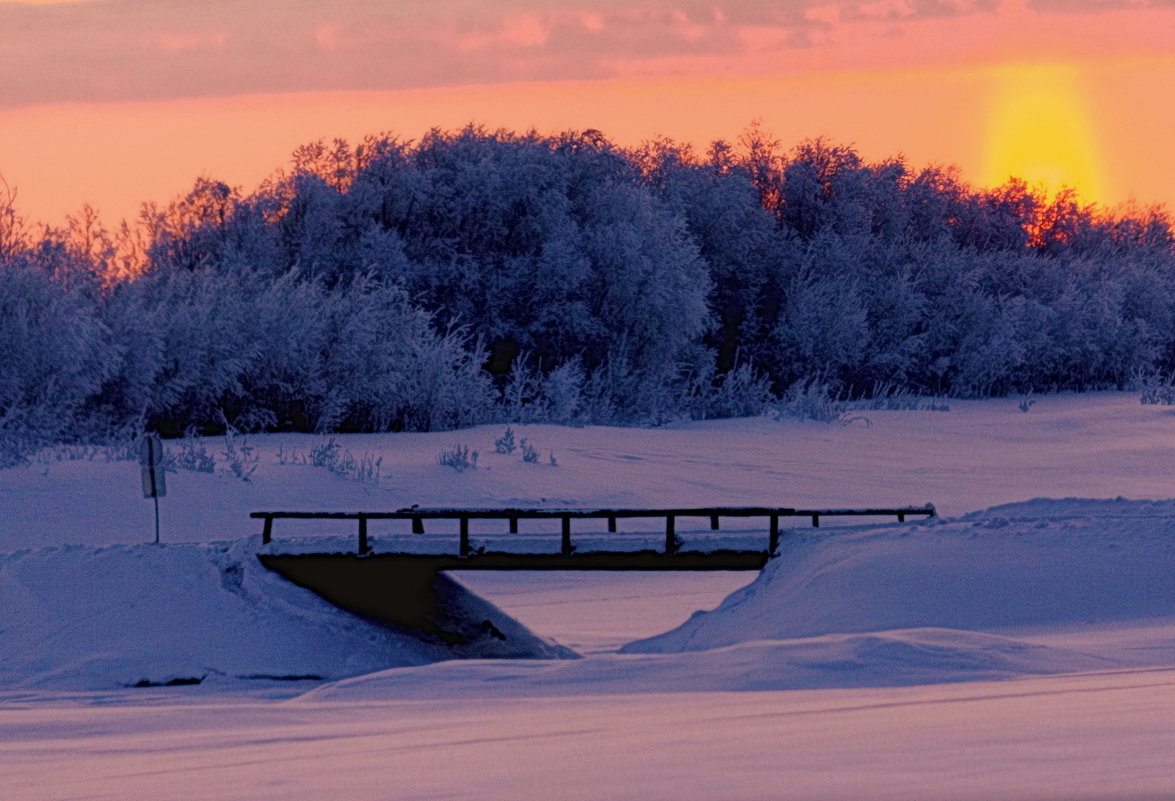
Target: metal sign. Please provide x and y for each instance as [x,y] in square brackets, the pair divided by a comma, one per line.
[151,460]
[154,482]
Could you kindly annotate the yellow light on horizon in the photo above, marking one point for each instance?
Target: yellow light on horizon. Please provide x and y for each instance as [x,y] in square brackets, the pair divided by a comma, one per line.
[1039,129]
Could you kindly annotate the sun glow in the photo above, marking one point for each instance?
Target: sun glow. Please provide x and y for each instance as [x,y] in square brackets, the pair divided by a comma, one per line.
[1040,129]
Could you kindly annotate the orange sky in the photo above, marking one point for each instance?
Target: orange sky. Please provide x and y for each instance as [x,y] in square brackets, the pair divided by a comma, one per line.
[117,101]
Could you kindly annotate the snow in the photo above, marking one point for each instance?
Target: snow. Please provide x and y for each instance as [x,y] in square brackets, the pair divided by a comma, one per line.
[85,618]
[979,454]
[1030,565]
[881,659]
[1103,736]
[1022,646]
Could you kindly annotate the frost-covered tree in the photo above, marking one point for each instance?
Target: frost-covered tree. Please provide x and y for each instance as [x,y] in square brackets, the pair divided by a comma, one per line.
[475,275]
[54,351]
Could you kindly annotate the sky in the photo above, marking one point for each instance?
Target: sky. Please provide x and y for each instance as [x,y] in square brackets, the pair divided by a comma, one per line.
[115,102]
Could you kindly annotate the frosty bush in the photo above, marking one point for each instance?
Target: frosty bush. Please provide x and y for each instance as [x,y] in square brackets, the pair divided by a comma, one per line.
[239,455]
[365,468]
[328,454]
[191,454]
[890,397]
[505,443]
[1156,390]
[530,396]
[812,400]
[460,458]
[739,393]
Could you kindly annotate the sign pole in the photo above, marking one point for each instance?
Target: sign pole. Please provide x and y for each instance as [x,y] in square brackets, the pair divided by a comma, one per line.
[154,482]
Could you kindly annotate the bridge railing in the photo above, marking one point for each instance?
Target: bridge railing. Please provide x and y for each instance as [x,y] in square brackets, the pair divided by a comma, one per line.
[715,514]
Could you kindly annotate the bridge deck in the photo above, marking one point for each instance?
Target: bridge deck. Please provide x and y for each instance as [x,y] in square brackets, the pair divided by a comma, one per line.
[597,560]
[670,557]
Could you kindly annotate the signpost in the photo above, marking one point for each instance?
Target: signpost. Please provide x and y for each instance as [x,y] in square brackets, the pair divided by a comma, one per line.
[154,482]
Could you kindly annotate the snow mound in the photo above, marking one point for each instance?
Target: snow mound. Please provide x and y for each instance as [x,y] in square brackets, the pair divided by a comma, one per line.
[84,618]
[882,659]
[1041,563]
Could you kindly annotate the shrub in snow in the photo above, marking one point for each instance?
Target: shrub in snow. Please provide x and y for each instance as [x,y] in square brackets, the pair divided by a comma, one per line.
[505,443]
[529,452]
[531,396]
[1156,390]
[190,455]
[812,400]
[365,468]
[741,392]
[338,460]
[890,397]
[325,454]
[239,456]
[460,458]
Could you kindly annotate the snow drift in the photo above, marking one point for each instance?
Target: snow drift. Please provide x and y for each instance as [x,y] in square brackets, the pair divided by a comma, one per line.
[1043,563]
[882,659]
[78,617]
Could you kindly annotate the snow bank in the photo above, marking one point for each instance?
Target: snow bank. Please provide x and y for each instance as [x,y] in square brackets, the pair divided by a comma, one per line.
[1044,563]
[78,617]
[884,659]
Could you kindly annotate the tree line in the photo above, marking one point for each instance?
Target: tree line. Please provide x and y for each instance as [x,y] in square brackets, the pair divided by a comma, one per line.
[477,275]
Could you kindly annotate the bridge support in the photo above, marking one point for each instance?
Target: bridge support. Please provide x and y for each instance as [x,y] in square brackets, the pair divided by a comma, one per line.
[416,597]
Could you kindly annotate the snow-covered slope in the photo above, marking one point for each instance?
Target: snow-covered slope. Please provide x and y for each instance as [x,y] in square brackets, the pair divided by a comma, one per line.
[1039,564]
[977,455]
[101,618]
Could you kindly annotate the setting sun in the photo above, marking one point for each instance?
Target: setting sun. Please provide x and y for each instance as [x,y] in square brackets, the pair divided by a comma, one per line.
[1040,129]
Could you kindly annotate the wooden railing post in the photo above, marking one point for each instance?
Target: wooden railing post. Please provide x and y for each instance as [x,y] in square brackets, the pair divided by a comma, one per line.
[611,524]
[773,542]
[670,534]
[566,547]
[514,525]
[713,522]
[464,548]
[418,525]
[816,521]
[267,531]
[363,546]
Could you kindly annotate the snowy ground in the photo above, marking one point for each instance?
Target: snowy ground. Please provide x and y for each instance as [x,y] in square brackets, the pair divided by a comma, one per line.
[1026,651]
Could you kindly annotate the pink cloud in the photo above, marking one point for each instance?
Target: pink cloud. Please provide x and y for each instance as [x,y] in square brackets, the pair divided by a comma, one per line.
[178,42]
[157,49]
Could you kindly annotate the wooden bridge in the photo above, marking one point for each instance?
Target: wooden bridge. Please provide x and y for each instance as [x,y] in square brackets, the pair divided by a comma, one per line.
[413,591]
[671,556]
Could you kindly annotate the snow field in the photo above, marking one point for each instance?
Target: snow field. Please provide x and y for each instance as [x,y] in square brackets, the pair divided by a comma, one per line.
[1016,649]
